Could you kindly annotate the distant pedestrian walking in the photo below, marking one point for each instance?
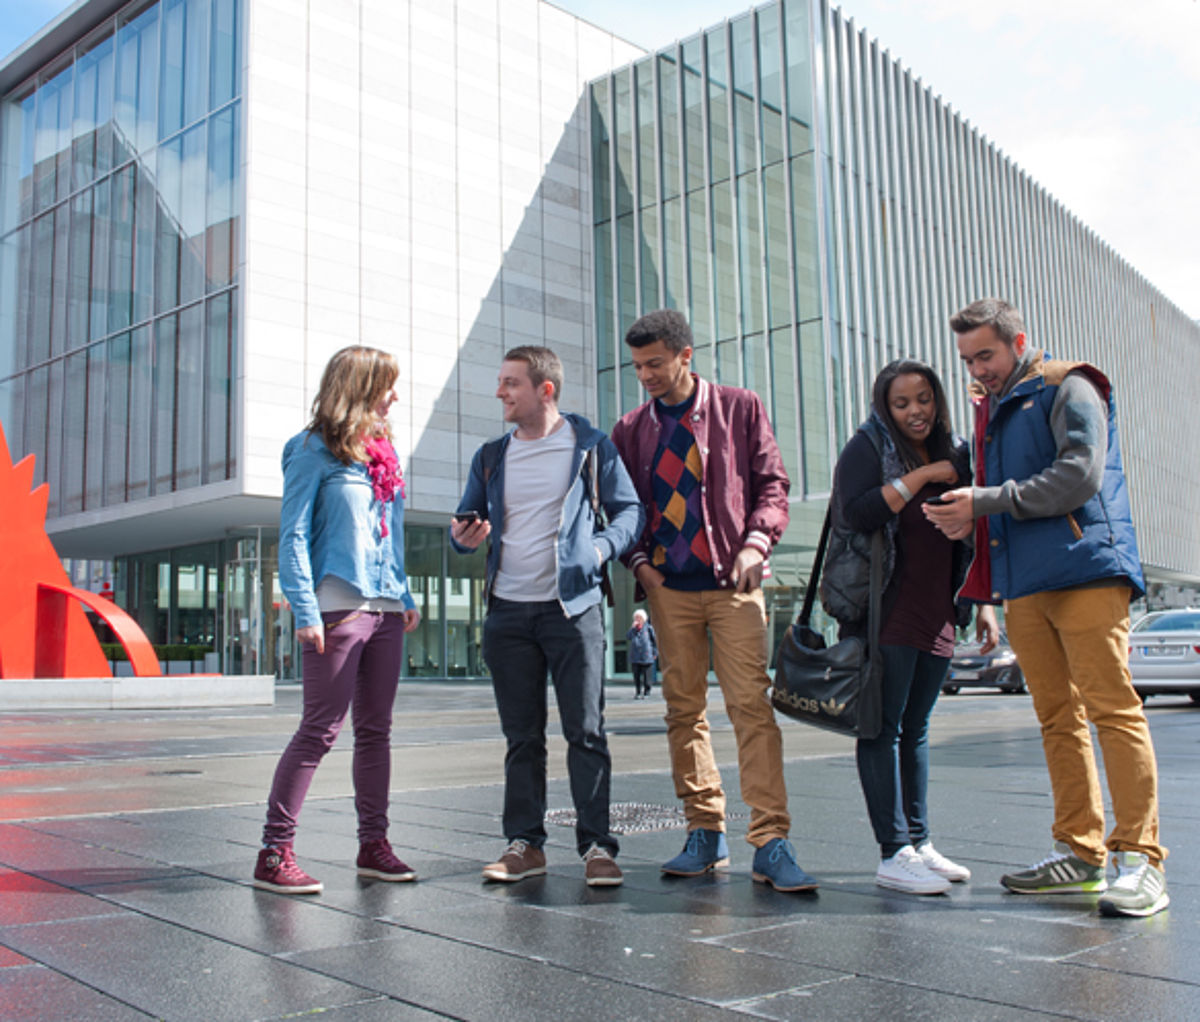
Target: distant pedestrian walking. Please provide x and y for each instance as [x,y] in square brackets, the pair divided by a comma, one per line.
[341,565]
[643,653]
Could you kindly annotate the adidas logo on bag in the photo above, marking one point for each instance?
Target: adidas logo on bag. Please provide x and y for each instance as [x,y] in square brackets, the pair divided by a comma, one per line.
[830,707]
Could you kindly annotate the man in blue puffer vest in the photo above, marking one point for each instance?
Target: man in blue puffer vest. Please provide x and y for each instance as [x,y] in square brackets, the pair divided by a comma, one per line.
[1052,511]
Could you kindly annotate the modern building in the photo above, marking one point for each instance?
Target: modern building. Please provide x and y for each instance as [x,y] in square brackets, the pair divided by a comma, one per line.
[818,212]
[201,200]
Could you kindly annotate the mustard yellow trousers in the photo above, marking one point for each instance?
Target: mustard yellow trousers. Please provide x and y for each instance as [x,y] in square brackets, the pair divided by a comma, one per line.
[1073,646]
[737,624]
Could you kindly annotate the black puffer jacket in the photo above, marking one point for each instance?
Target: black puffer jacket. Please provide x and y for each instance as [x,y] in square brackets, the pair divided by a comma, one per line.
[844,585]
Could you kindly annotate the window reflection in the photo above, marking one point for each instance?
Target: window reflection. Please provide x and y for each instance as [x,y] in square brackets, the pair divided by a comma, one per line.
[726,231]
[465,613]
[424,655]
[121,214]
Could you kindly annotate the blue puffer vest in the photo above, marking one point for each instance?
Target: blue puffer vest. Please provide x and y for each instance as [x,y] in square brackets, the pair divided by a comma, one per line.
[1093,542]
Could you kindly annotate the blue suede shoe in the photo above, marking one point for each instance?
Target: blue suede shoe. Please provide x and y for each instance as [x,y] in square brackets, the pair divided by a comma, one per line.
[775,864]
[704,850]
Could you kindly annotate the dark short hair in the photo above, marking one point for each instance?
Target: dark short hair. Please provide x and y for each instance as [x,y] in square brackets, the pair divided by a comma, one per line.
[1001,316]
[940,444]
[541,363]
[666,325]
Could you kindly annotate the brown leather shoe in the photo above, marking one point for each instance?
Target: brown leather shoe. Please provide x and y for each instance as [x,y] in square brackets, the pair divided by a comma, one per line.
[600,869]
[520,860]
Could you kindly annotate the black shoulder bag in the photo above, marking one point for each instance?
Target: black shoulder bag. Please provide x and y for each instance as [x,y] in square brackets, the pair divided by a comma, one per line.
[835,687]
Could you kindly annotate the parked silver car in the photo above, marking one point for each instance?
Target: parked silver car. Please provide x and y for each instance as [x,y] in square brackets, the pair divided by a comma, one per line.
[1164,653]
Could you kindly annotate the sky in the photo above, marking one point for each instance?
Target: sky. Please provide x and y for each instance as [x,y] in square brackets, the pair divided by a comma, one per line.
[1098,100]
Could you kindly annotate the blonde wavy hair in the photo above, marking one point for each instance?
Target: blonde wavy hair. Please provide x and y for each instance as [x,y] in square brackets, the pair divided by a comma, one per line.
[353,384]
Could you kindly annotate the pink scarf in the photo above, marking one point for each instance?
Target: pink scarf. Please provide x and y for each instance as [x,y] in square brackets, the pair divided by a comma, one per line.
[384,469]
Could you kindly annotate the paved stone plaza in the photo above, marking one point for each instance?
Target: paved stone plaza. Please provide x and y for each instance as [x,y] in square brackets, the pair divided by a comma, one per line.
[127,840]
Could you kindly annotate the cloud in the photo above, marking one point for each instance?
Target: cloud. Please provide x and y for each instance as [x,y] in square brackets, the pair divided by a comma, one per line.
[1096,101]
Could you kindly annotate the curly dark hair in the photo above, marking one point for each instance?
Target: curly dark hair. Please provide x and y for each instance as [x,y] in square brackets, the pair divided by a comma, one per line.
[666,325]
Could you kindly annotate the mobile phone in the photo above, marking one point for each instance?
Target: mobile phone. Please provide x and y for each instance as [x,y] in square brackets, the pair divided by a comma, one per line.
[937,501]
[466,516]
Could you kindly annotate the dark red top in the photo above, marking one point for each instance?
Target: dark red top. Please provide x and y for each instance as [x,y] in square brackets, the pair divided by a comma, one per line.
[922,607]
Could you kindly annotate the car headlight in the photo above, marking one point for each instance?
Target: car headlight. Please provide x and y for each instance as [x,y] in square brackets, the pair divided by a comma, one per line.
[1004,659]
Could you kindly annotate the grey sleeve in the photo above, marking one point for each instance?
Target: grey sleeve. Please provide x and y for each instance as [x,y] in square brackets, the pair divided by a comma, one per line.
[1079,422]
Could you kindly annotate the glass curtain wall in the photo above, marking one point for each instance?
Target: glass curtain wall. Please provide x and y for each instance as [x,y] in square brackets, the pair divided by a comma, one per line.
[704,200]
[119,233]
[817,212]
[225,595]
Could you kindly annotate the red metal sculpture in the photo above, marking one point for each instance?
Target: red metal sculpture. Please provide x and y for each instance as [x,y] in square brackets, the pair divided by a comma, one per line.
[44,632]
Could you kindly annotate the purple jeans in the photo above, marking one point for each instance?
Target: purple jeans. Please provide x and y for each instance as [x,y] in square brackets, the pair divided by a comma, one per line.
[361,668]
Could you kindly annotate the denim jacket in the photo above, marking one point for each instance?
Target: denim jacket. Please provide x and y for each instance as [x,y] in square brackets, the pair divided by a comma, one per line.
[578,538]
[330,525]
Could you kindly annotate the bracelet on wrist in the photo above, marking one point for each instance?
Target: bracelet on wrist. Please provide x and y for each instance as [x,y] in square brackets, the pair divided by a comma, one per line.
[897,484]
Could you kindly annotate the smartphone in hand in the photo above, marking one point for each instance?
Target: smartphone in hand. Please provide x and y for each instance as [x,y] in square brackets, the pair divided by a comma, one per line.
[466,517]
[937,501]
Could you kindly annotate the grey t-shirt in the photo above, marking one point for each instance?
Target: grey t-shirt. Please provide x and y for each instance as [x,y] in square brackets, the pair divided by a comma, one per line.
[537,474]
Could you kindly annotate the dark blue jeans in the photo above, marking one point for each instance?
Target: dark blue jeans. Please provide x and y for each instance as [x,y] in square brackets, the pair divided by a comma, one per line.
[894,767]
[521,641]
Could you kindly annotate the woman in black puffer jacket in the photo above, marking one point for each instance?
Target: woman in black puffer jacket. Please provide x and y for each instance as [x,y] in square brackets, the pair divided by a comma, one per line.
[901,456]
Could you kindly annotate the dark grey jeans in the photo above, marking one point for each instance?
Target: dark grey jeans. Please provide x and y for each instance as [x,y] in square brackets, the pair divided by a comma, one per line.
[521,642]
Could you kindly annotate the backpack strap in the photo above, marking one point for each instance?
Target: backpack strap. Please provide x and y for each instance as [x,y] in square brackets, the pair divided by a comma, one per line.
[591,483]
[489,457]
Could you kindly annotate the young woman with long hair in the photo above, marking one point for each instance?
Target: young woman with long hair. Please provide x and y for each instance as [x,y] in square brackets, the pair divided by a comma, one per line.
[341,566]
[901,456]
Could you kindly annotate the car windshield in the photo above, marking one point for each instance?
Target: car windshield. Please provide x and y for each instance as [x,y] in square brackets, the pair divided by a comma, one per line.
[1175,621]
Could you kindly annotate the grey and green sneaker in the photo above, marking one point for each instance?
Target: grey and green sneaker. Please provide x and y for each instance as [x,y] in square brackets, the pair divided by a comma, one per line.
[1061,873]
[1139,890]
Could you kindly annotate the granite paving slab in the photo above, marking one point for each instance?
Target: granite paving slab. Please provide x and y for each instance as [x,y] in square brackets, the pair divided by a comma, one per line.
[259,920]
[855,998]
[25,899]
[132,899]
[992,976]
[172,972]
[617,949]
[36,992]
[474,982]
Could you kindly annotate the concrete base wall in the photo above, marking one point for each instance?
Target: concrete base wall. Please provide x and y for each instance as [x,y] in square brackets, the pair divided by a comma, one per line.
[165,693]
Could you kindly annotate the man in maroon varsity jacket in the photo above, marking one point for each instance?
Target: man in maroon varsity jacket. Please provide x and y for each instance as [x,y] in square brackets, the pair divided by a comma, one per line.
[705,463]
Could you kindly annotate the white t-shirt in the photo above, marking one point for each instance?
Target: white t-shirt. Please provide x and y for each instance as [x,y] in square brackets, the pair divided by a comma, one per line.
[537,474]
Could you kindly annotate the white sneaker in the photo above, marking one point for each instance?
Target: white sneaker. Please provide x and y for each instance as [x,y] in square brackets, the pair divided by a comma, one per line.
[906,871]
[942,866]
[1139,890]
